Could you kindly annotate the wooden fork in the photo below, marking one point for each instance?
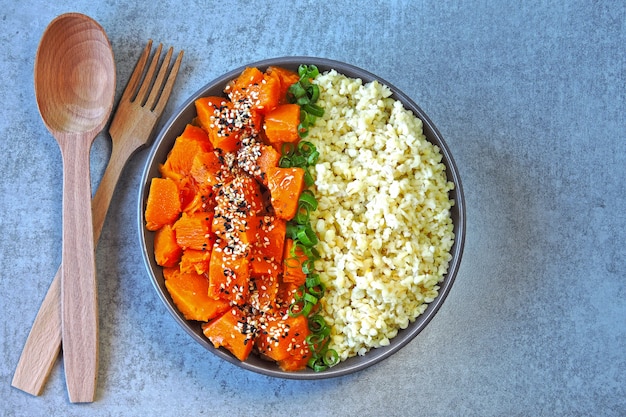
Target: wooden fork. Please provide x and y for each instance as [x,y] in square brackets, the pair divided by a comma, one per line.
[132,128]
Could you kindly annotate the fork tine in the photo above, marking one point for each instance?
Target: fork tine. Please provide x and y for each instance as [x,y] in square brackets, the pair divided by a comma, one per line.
[135,77]
[158,82]
[169,84]
[147,80]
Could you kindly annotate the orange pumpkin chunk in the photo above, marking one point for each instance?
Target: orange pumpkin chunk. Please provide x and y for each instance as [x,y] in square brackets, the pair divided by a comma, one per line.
[286,77]
[216,116]
[237,88]
[281,124]
[191,142]
[265,276]
[233,230]
[201,202]
[163,205]
[194,231]
[283,339]
[264,96]
[166,250]
[229,331]
[268,158]
[189,293]
[285,185]
[193,260]
[240,197]
[206,169]
[260,266]
[229,275]
[270,239]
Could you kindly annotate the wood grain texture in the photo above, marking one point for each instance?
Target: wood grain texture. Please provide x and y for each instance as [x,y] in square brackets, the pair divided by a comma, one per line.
[75,88]
[43,344]
[79,297]
[131,129]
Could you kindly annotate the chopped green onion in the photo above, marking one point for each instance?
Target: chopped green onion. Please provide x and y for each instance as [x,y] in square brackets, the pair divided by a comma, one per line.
[307,198]
[295,309]
[303,131]
[308,178]
[307,236]
[292,262]
[287,148]
[315,340]
[303,214]
[310,298]
[284,162]
[314,92]
[298,161]
[313,280]
[330,357]
[305,147]
[297,90]
[308,266]
[313,157]
[304,155]
[313,109]
[318,291]
[305,94]
[306,308]
[299,294]
[317,323]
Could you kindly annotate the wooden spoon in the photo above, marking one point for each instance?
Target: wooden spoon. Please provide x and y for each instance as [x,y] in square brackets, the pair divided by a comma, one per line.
[75,88]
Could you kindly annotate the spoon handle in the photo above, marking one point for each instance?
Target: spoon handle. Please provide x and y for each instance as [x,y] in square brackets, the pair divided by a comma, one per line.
[43,344]
[79,304]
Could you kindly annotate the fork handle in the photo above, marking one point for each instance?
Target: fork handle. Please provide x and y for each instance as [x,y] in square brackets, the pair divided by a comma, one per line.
[43,344]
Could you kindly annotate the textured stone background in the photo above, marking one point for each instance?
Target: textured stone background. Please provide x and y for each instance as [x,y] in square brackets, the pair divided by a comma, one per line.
[531,98]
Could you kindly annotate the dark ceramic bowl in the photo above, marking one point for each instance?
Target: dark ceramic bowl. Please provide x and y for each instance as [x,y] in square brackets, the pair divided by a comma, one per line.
[164,142]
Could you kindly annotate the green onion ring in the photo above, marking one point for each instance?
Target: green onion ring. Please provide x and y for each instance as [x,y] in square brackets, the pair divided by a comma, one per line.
[307,198]
[330,357]
[313,280]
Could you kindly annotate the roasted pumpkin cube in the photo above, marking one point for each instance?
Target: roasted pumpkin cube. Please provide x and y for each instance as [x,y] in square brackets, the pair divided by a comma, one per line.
[283,339]
[202,202]
[231,331]
[240,197]
[163,205]
[192,141]
[216,115]
[229,274]
[286,77]
[281,124]
[189,293]
[268,158]
[265,276]
[193,231]
[270,242]
[236,230]
[285,185]
[193,260]
[207,169]
[166,250]
[249,77]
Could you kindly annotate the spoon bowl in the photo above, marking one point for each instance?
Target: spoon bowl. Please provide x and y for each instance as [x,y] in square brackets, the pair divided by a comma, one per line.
[74,76]
[75,87]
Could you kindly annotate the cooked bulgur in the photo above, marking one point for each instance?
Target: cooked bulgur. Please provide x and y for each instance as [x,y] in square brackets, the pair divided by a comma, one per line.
[384,214]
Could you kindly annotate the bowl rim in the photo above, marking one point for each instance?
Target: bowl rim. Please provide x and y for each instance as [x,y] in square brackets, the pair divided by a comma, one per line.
[373,356]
